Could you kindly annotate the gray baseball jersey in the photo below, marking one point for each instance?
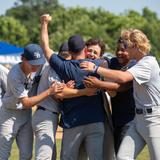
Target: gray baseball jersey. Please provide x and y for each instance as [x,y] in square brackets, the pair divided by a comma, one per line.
[146,82]
[48,76]
[145,127]
[15,121]
[3,81]
[18,86]
[45,119]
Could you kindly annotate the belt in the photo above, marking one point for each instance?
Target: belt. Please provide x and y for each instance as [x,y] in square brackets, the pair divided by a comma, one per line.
[142,111]
[44,109]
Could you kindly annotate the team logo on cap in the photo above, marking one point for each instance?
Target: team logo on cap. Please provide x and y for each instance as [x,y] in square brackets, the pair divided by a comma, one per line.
[37,55]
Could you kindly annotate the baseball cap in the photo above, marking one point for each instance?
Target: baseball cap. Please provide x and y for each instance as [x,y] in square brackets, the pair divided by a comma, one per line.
[63,47]
[76,43]
[34,54]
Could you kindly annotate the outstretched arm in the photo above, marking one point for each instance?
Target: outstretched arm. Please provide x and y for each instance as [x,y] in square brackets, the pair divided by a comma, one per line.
[94,82]
[115,75]
[71,93]
[29,102]
[45,19]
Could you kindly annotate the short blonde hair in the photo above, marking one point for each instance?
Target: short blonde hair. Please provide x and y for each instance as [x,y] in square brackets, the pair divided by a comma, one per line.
[135,37]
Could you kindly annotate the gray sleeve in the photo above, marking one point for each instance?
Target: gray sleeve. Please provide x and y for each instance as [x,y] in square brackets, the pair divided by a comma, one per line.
[3,80]
[17,87]
[141,72]
[53,76]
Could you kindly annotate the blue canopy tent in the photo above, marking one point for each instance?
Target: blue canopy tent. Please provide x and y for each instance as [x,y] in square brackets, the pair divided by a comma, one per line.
[10,54]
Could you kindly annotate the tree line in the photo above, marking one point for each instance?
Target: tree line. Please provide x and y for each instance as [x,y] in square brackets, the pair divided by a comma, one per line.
[20,25]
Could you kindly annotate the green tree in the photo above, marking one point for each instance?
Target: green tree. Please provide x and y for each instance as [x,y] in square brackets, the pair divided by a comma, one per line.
[86,22]
[67,22]
[12,31]
[152,29]
[28,13]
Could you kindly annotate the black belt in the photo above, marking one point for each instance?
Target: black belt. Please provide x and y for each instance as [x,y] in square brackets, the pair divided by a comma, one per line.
[44,109]
[141,111]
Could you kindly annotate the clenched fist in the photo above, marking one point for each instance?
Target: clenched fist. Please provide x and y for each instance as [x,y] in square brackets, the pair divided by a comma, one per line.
[45,18]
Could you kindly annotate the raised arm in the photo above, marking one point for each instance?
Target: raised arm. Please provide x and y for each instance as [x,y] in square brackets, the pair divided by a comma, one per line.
[45,19]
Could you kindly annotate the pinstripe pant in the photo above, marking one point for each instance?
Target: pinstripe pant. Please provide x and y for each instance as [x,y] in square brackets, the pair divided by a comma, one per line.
[44,126]
[16,124]
[144,130]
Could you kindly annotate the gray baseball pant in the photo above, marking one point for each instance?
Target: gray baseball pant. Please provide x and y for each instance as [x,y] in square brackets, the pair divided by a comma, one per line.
[44,126]
[144,130]
[108,145]
[91,134]
[16,124]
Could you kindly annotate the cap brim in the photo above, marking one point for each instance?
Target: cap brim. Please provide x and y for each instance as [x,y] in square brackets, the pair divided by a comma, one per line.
[37,62]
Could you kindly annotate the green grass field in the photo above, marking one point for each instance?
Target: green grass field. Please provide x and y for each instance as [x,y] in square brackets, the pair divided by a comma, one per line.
[14,154]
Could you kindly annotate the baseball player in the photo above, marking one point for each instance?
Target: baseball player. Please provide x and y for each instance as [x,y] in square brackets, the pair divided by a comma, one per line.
[95,50]
[145,75]
[15,113]
[45,119]
[123,105]
[3,82]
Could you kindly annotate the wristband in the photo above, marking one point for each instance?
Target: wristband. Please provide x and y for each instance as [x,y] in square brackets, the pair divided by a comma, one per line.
[95,69]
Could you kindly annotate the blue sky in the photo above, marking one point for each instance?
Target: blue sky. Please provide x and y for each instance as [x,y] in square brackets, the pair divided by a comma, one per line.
[115,6]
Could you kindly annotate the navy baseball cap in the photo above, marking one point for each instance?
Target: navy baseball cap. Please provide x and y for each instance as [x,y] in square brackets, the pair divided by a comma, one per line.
[63,47]
[34,54]
[76,43]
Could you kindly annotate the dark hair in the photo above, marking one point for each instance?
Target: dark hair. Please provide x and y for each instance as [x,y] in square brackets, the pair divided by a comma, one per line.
[94,41]
[121,41]
[63,47]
